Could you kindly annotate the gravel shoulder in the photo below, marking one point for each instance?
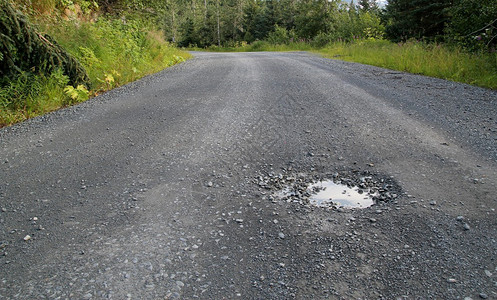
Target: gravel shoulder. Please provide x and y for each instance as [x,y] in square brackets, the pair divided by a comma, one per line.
[164,188]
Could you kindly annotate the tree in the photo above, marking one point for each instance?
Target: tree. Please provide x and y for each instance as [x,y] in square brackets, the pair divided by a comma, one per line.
[24,49]
[474,23]
[416,18]
[368,6]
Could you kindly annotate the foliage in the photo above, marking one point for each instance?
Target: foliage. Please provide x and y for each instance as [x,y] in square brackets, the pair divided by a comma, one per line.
[116,52]
[280,36]
[113,52]
[27,95]
[474,24]
[416,19]
[412,56]
[24,49]
[78,94]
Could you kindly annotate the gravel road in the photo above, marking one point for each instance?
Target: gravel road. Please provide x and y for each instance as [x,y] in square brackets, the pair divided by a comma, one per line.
[168,188]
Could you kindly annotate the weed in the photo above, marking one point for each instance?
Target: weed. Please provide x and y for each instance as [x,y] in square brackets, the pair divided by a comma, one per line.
[78,94]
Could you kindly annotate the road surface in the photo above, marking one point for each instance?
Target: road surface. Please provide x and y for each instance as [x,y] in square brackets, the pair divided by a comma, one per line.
[168,188]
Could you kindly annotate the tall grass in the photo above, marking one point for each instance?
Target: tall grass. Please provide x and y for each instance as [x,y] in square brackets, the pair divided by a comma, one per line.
[28,95]
[435,60]
[113,53]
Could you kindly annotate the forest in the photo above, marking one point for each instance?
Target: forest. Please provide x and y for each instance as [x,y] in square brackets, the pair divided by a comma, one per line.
[202,23]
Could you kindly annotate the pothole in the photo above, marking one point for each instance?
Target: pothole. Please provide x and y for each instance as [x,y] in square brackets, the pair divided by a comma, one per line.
[329,194]
[340,190]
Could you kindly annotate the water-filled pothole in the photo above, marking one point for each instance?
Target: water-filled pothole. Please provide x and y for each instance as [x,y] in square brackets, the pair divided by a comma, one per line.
[344,189]
[329,194]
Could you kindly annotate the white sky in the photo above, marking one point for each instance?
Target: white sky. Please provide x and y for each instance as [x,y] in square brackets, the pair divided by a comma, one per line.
[381,3]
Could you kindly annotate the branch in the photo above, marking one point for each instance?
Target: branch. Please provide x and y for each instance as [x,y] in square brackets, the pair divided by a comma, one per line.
[488,25]
[493,38]
[45,39]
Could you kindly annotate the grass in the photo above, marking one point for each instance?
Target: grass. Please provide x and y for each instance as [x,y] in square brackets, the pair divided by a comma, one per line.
[435,60]
[113,54]
[30,95]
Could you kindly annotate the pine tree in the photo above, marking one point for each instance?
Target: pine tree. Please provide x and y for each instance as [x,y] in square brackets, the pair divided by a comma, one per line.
[24,49]
[416,18]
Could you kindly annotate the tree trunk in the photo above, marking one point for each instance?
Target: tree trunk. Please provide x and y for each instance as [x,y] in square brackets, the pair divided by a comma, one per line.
[218,26]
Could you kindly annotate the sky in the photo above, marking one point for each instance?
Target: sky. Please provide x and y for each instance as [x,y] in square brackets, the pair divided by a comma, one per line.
[381,3]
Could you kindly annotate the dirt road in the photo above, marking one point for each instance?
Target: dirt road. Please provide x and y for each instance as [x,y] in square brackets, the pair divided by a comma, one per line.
[170,188]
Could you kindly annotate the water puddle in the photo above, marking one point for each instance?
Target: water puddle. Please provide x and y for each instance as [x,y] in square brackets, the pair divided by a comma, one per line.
[330,194]
[339,190]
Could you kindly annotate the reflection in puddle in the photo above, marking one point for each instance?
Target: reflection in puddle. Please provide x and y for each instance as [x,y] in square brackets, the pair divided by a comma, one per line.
[327,194]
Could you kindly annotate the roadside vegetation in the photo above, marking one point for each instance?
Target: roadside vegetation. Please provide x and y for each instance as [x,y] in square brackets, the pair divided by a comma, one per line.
[110,51]
[430,59]
[95,45]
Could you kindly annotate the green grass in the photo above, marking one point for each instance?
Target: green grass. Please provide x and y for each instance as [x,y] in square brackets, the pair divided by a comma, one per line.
[433,60]
[30,95]
[113,54]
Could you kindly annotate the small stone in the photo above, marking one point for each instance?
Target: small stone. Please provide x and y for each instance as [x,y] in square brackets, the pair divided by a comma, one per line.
[460,218]
[27,238]
[275,221]
[466,226]
[87,296]
[483,296]
[180,283]
[372,220]
[239,220]
[35,218]
[433,202]
[281,235]
[4,209]
[488,273]
[451,280]
[210,184]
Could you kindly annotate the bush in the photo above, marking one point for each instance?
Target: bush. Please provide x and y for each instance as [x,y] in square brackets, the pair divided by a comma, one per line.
[280,36]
